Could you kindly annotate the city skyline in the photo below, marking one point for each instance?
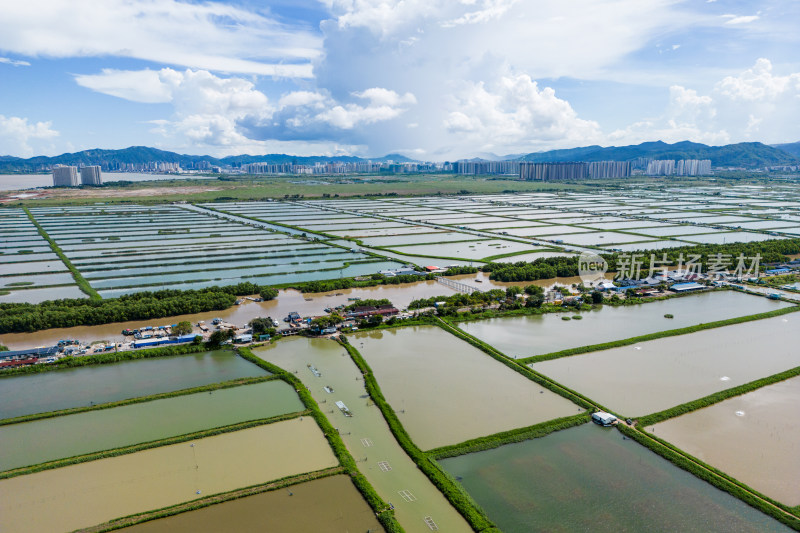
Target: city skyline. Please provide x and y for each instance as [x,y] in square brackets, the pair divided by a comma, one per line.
[429,80]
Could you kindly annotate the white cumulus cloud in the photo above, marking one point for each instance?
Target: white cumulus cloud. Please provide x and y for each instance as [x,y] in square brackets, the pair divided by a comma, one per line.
[16,134]
[758,83]
[516,114]
[206,35]
[14,62]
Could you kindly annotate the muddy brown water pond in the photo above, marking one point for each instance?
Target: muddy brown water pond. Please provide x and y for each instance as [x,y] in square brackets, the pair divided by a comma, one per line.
[527,336]
[83,386]
[589,479]
[754,437]
[104,429]
[90,493]
[287,301]
[652,376]
[327,505]
[366,434]
[446,391]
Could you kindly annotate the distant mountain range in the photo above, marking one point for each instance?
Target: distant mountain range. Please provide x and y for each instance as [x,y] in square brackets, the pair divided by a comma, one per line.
[792,148]
[748,155]
[141,155]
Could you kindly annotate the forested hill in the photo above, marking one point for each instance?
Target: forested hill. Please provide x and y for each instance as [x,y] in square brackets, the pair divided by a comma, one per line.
[748,155]
[141,155]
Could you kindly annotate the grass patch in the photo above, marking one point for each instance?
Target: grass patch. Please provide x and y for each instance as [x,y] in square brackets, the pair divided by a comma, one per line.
[384,513]
[722,481]
[80,281]
[717,397]
[457,497]
[140,399]
[658,335]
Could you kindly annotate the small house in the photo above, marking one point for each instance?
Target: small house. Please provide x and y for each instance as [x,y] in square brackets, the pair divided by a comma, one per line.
[603,418]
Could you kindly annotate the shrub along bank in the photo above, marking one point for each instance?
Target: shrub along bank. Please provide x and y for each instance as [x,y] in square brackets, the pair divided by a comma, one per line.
[776,510]
[717,397]
[658,335]
[105,358]
[66,313]
[457,497]
[80,281]
[140,399]
[508,437]
[517,366]
[146,445]
[383,511]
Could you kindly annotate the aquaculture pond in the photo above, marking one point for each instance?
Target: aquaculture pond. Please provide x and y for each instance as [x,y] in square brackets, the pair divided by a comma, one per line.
[446,391]
[540,334]
[66,436]
[85,494]
[652,376]
[754,437]
[327,505]
[591,479]
[321,363]
[82,386]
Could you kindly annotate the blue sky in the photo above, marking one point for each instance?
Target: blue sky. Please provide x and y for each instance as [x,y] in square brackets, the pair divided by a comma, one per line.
[432,79]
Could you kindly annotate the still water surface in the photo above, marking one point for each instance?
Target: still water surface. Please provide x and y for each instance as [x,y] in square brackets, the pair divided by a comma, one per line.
[446,391]
[754,437]
[86,494]
[327,505]
[366,434]
[77,387]
[652,376]
[540,334]
[589,479]
[66,436]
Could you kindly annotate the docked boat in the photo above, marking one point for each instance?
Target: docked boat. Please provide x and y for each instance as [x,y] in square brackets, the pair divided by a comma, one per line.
[343,408]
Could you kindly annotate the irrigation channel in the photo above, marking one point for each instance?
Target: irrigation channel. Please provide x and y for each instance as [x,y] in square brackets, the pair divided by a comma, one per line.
[366,434]
[532,335]
[85,494]
[307,304]
[96,384]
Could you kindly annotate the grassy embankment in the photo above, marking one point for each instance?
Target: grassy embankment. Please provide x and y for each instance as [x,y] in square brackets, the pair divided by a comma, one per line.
[67,461]
[784,514]
[717,397]
[251,188]
[107,358]
[205,501]
[141,399]
[658,335]
[384,513]
[457,497]
[80,281]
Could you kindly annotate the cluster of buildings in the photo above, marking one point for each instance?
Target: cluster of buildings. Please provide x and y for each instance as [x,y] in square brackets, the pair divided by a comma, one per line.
[486,167]
[574,171]
[67,176]
[682,167]
[326,168]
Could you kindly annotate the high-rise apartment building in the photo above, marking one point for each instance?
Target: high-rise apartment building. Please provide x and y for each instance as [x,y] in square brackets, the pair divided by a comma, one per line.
[91,176]
[64,176]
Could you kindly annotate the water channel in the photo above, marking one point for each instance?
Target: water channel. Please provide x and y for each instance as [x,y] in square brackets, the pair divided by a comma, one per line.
[367,436]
